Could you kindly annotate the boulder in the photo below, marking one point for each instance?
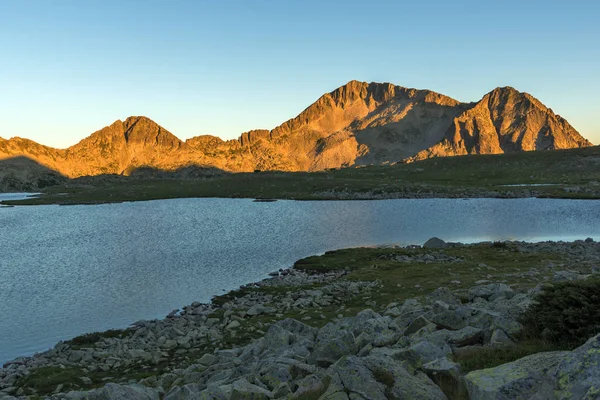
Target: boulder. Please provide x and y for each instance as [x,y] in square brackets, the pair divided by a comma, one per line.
[378,377]
[273,375]
[244,390]
[417,324]
[491,292]
[309,386]
[445,374]
[330,349]
[260,309]
[435,243]
[519,379]
[578,375]
[500,339]
[191,391]
[428,351]
[207,359]
[113,391]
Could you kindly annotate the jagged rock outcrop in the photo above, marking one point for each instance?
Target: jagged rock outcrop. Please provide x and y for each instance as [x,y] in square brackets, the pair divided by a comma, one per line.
[357,124]
[505,121]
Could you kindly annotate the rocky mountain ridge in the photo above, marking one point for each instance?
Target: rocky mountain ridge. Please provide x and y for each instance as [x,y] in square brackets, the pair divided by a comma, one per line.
[357,124]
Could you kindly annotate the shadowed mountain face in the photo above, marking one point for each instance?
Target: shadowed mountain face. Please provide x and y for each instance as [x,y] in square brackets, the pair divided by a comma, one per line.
[357,124]
[22,174]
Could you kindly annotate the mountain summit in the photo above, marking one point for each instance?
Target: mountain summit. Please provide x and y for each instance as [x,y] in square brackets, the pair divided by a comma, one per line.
[357,124]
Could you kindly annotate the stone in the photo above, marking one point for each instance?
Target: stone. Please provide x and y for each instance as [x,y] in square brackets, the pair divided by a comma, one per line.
[281,391]
[444,373]
[309,385]
[491,291]
[244,390]
[113,391]
[140,354]
[259,309]
[207,359]
[426,351]
[169,345]
[417,324]
[274,375]
[500,339]
[85,380]
[328,350]
[190,391]
[519,379]
[378,377]
[435,243]
[233,325]
[578,374]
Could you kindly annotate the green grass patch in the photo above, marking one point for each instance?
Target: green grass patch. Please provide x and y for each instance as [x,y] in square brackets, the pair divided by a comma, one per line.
[91,338]
[403,280]
[567,313]
[45,380]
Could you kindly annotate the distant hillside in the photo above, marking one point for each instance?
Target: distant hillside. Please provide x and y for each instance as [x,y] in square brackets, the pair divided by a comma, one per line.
[21,174]
[357,124]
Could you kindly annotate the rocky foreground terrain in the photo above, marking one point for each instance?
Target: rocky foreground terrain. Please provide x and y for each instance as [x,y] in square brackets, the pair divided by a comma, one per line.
[310,334]
[357,124]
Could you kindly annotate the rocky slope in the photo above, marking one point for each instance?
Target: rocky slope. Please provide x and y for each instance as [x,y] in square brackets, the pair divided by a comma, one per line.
[505,121]
[404,350]
[357,124]
[21,174]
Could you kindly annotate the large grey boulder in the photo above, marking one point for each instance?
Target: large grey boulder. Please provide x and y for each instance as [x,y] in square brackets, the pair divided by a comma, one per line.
[273,375]
[445,374]
[462,316]
[418,323]
[259,309]
[425,351]
[435,243]
[207,359]
[466,336]
[113,391]
[411,310]
[378,378]
[521,379]
[578,375]
[244,390]
[193,391]
[491,292]
[308,386]
[331,348]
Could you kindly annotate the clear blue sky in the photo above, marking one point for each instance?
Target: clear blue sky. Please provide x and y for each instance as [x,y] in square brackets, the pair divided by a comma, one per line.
[68,68]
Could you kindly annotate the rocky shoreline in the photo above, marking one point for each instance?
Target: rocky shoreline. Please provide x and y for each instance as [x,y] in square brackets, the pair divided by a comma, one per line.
[294,336]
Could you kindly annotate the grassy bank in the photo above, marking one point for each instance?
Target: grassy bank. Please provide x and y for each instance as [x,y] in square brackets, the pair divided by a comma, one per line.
[567,174]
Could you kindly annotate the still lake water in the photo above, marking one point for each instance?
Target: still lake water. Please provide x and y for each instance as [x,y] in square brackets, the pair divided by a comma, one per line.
[65,271]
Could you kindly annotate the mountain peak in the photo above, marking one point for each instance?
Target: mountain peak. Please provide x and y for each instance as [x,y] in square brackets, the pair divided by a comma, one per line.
[359,123]
[505,89]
